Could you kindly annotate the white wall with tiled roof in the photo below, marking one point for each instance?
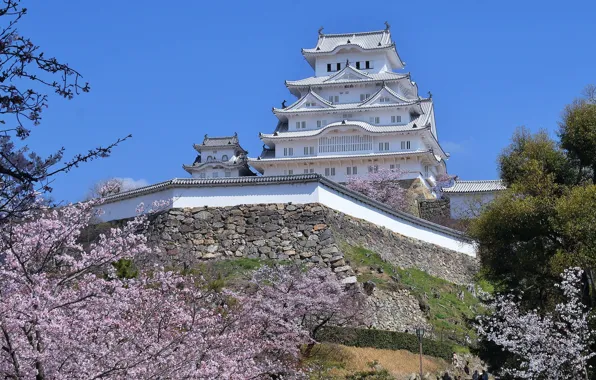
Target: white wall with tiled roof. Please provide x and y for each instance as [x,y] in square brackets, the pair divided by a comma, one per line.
[296,189]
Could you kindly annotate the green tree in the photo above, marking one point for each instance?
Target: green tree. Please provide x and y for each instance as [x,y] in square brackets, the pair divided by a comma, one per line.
[577,131]
[516,236]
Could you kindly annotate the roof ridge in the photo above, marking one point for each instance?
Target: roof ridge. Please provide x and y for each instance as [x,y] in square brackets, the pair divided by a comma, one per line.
[354,34]
[478,180]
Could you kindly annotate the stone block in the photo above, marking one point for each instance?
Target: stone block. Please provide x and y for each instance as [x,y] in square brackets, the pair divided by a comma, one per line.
[264,250]
[318,227]
[203,215]
[330,250]
[342,269]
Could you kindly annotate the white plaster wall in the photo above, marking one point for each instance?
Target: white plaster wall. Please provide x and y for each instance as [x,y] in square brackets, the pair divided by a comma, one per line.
[222,196]
[384,115]
[214,197]
[126,208]
[349,206]
[412,167]
[220,173]
[469,205]
[379,60]
[394,141]
[352,95]
[217,154]
[312,192]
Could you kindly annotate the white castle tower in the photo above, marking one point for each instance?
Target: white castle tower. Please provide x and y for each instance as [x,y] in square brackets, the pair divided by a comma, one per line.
[219,157]
[354,116]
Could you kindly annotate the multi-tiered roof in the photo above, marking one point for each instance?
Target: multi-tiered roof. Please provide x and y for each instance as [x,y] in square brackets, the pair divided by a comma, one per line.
[219,154]
[390,93]
[377,41]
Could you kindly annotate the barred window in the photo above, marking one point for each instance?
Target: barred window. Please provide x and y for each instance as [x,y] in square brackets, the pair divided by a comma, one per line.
[339,144]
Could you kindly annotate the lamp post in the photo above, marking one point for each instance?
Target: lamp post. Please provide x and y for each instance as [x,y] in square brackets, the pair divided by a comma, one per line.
[420,335]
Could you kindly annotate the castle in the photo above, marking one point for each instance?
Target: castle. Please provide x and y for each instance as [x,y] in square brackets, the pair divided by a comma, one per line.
[355,116]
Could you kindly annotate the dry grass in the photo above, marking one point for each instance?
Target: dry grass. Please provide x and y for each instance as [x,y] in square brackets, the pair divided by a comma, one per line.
[398,363]
[345,360]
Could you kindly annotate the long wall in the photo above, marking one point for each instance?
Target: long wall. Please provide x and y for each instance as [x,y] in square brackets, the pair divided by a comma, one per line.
[300,189]
[305,233]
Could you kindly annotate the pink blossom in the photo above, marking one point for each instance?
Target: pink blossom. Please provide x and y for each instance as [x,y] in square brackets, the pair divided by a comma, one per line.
[554,345]
[382,186]
[65,314]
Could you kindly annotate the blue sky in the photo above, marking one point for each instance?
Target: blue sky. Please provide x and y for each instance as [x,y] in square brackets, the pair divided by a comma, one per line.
[170,72]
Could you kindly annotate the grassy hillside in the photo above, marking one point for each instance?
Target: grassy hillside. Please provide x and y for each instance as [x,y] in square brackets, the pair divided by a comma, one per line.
[330,361]
[449,307]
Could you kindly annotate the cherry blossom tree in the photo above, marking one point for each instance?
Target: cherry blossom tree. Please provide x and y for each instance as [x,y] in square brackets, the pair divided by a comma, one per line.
[382,186]
[550,346]
[65,314]
[442,181]
[310,299]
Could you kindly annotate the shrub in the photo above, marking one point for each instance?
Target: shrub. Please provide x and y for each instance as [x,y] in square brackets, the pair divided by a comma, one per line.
[383,339]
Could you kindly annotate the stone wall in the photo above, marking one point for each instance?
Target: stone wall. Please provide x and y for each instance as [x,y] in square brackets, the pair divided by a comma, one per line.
[306,233]
[274,231]
[435,209]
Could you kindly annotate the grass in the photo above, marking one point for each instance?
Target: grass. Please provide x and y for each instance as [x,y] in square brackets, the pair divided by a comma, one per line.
[231,271]
[448,314]
[331,361]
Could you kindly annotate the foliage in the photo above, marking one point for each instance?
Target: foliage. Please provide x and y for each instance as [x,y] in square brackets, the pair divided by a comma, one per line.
[535,163]
[125,268]
[519,232]
[24,72]
[382,186]
[577,131]
[448,312]
[555,345]
[391,340]
[64,312]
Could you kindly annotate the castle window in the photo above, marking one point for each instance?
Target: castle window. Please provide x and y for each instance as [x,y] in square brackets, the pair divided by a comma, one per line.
[288,172]
[384,99]
[288,151]
[347,115]
[338,66]
[393,166]
[405,145]
[396,119]
[301,124]
[329,172]
[333,99]
[328,67]
[202,175]
[311,170]
[228,174]
[358,65]
[309,150]
[369,65]
[215,174]
[209,159]
[321,123]
[363,97]
[375,120]
[224,157]
[383,146]
[373,169]
[426,171]
[352,170]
